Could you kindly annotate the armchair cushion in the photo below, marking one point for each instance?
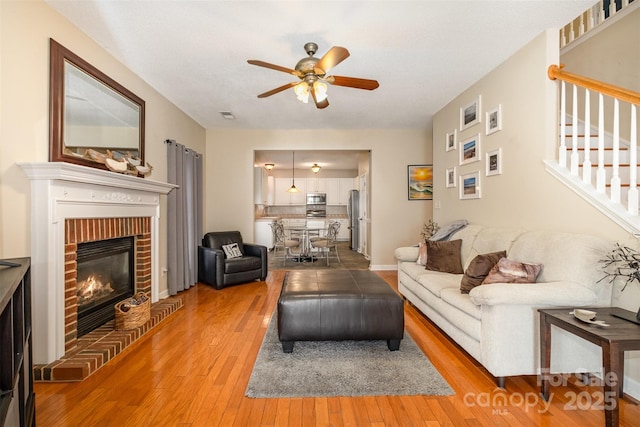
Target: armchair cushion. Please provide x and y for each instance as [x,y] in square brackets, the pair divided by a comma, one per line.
[232,250]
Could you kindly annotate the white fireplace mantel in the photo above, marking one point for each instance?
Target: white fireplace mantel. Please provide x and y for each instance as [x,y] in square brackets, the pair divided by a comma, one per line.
[61,191]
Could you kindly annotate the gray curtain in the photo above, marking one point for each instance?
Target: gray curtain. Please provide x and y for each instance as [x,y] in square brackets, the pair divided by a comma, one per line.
[184,216]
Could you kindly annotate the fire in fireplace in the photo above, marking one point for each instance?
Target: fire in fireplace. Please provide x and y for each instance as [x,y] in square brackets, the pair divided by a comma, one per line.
[105,276]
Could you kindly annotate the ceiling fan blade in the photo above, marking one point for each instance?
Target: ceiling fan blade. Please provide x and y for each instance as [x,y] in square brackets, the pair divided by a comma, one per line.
[353,82]
[333,57]
[273,67]
[322,104]
[277,90]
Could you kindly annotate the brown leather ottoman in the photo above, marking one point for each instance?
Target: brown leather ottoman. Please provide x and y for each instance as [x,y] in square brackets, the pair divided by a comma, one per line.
[335,305]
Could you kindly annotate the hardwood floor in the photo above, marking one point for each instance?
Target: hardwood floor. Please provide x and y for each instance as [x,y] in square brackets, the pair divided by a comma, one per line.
[192,370]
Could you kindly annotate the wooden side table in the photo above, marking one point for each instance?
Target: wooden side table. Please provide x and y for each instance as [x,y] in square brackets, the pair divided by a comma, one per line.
[620,336]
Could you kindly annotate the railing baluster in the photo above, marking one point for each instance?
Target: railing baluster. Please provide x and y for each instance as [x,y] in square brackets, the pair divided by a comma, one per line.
[615,177]
[586,165]
[632,207]
[574,133]
[562,153]
[601,175]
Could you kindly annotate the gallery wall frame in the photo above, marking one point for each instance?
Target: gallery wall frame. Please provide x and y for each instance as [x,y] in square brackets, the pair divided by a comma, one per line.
[451,140]
[471,114]
[470,150]
[493,122]
[450,177]
[420,182]
[470,186]
[494,162]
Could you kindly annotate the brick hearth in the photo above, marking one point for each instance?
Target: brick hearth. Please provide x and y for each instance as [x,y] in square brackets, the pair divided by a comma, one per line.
[95,229]
[96,348]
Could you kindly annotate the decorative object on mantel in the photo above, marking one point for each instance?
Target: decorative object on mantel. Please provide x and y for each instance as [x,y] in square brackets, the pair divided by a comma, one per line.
[118,162]
[133,312]
[624,262]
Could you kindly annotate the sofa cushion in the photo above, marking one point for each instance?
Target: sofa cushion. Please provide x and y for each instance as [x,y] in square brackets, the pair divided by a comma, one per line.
[565,256]
[435,281]
[464,304]
[444,256]
[489,240]
[508,271]
[478,269]
[422,254]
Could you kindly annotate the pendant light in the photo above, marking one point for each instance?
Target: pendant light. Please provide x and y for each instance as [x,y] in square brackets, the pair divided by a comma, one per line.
[293,188]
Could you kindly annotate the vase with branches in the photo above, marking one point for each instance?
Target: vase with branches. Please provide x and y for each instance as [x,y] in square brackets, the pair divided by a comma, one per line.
[622,262]
[429,229]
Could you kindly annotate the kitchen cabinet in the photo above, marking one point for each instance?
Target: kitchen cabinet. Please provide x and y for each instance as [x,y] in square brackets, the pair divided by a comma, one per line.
[336,189]
[282,197]
[262,187]
[17,398]
[346,185]
[263,234]
[343,231]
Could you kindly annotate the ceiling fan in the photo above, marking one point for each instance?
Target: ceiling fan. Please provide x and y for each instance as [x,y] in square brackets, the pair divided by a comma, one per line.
[312,73]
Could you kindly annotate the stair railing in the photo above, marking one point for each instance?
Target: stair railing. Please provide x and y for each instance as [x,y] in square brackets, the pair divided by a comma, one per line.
[618,95]
[593,18]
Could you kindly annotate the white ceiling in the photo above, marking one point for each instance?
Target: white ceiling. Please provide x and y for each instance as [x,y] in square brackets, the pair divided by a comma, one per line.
[423,53]
[304,159]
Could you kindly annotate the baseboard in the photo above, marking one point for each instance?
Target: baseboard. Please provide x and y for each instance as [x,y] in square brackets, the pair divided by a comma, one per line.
[164,294]
[383,267]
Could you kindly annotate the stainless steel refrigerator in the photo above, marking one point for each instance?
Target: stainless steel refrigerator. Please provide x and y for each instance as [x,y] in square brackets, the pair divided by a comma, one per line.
[353,213]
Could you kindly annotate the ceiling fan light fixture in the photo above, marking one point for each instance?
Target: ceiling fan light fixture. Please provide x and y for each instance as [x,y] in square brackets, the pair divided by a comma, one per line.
[315,168]
[302,92]
[321,90]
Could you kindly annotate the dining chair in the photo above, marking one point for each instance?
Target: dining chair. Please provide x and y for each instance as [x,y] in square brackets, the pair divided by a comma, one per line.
[282,242]
[328,242]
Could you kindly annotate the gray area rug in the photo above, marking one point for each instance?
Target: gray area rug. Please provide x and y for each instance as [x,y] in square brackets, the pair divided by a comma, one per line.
[342,368]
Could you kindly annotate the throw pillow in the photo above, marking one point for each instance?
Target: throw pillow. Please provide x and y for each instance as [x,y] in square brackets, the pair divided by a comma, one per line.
[444,256]
[478,269]
[232,250]
[422,254]
[507,271]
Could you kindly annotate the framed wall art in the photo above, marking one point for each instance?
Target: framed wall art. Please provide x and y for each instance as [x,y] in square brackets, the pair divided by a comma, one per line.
[470,150]
[450,177]
[494,162]
[470,114]
[452,140]
[470,186]
[493,122]
[420,182]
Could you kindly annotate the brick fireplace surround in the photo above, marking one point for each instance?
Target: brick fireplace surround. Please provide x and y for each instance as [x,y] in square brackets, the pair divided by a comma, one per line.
[72,204]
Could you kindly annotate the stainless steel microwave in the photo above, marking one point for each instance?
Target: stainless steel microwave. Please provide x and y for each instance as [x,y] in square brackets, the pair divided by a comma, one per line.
[316,198]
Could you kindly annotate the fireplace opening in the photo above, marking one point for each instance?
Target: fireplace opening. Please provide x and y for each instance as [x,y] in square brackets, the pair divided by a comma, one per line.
[105,276]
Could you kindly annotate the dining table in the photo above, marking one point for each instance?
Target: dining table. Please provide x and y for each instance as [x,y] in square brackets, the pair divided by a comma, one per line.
[304,233]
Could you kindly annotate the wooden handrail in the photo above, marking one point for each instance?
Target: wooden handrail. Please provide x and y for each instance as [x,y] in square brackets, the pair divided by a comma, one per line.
[556,72]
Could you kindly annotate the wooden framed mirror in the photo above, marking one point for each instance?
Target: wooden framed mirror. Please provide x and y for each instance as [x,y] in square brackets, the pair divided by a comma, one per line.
[92,117]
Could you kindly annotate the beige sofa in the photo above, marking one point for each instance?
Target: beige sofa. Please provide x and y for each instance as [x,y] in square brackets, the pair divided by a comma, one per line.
[498,324]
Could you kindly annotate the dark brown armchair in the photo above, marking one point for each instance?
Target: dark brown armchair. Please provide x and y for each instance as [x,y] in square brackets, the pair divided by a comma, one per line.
[215,268]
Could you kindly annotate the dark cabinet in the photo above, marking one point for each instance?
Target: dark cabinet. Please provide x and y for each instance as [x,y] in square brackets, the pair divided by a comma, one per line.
[17,400]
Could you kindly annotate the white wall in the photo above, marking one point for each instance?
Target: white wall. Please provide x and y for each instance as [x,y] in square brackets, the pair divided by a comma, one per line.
[25,29]
[525,195]
[395,220]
